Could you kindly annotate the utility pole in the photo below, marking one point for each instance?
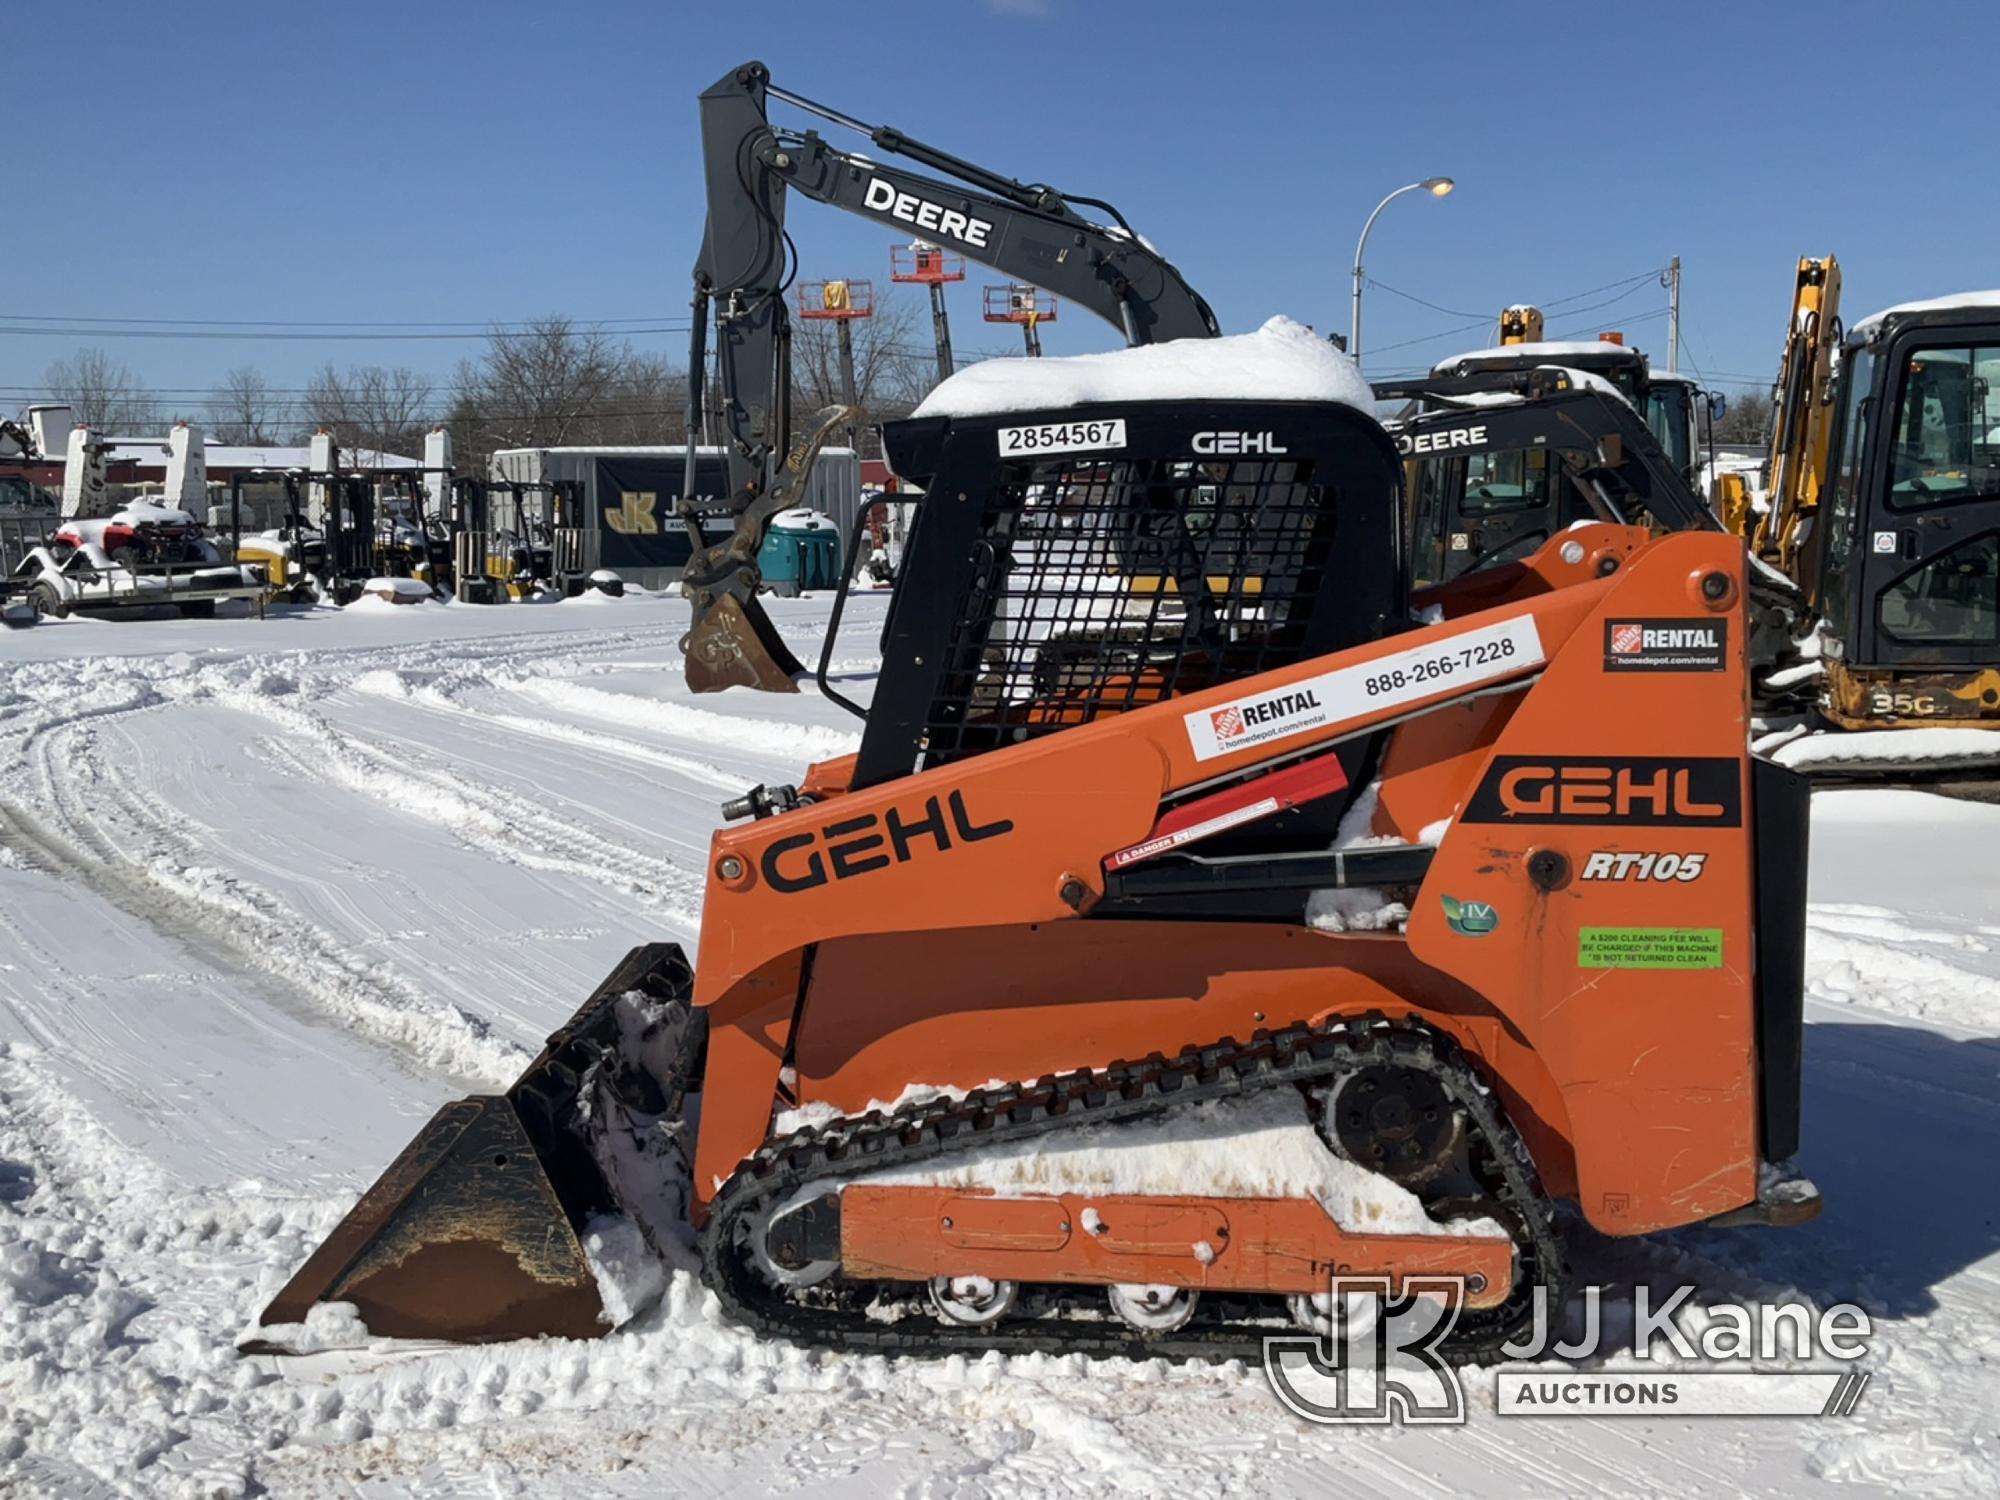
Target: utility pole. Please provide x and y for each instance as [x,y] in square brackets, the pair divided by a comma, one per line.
[1673,281]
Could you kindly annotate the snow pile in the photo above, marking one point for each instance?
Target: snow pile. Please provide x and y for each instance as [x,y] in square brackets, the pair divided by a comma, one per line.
[629,1276]
[1282,361]
[392,591]
[803,518]
[1364,908]
[1260,1146]
[1936,747]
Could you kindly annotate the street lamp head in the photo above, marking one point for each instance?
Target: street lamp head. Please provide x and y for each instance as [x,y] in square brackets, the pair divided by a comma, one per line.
[1437,187]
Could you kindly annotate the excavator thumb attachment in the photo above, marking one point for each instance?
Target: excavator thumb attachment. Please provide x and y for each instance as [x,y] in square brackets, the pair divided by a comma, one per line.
[474,1234]
[733,642]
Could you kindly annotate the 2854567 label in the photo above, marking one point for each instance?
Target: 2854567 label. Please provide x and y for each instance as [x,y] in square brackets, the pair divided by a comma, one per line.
[1063,437]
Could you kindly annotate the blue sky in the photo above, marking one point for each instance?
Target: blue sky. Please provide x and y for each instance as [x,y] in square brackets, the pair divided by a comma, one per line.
[423,162]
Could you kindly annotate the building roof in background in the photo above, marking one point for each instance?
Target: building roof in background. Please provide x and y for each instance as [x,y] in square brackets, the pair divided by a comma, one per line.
[153,451]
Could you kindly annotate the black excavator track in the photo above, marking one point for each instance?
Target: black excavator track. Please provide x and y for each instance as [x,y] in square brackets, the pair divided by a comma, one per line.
[1226,1326]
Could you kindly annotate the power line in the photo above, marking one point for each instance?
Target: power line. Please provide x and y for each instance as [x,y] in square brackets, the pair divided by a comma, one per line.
[1579,296]
[483,323]
[1630,283]
[1450,312]
[232,335]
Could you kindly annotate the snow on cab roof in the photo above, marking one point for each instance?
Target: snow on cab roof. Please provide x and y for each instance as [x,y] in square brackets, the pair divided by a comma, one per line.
[1869,324]
[1582,380]
[1553,353]
[1282,361]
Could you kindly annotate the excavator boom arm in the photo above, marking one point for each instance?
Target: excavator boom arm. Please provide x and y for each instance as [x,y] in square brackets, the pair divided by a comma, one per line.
[1027,232]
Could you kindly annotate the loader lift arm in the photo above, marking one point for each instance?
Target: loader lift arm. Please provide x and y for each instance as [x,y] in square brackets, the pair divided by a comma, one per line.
[1026,231]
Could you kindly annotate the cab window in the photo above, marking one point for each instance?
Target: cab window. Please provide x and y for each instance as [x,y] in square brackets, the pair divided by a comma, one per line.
[1953,599]
[1945,445]
[1512,480]
[1844,492]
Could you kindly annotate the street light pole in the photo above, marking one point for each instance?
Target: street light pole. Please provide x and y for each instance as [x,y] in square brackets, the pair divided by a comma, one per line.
[1437,187]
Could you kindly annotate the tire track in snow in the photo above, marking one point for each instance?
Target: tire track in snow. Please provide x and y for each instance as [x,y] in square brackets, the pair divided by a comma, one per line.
[438,697]
[775,739]
[489,819]
[153,872]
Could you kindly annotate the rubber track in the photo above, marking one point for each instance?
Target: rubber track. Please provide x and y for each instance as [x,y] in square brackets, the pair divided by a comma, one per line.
[1125,1091]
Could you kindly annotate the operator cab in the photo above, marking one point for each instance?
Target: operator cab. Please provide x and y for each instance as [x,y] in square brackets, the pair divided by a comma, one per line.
[1674,408]
[1479,510]
[1497,463]
[1906,569]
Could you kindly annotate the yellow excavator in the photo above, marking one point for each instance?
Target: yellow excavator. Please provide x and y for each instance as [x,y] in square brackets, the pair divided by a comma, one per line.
[1883,505]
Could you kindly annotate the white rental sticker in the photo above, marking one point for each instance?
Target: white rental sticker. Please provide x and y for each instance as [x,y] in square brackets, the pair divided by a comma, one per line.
[1063,437]
[1473,656]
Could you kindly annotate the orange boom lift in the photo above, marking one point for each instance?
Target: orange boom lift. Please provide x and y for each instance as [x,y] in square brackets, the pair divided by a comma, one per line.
[1495,911]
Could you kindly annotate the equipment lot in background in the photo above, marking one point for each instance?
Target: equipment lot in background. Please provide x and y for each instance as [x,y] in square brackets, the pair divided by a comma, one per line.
[270,891]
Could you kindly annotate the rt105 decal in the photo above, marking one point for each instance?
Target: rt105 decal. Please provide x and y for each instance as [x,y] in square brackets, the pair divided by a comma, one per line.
[1606,865]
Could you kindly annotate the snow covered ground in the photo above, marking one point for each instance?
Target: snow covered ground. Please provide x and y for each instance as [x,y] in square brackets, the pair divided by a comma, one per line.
[271,891]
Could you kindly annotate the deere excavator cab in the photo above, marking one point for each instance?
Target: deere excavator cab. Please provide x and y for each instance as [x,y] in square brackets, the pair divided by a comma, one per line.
[1498,462]
[1906,564]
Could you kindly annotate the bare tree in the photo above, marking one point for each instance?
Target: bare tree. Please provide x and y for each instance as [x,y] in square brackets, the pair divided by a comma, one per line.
[241,409]
[369,407]
[554,383]
[891,371]
[102,392]
[538,387]
[1748,420]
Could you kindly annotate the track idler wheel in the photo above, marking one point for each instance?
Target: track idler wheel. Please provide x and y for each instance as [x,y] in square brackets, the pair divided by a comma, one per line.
[972,1301]
[1152,1308]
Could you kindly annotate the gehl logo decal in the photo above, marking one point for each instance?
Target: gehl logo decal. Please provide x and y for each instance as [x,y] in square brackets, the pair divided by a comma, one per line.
[1691,792]
[633,514]
[856,846]
[881,196]
[1238,442]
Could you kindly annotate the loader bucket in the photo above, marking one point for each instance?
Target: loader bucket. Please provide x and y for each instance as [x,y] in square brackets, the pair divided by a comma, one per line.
[472,1234]
[734,644]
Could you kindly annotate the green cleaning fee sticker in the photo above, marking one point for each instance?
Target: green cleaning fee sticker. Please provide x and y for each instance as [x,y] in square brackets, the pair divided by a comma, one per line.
[1649,948]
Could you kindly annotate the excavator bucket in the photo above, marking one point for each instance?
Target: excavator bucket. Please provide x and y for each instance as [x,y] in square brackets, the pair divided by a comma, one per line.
[734,644]
[474,1234]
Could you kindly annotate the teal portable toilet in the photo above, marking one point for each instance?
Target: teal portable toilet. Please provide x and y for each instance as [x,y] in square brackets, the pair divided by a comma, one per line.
[801,551]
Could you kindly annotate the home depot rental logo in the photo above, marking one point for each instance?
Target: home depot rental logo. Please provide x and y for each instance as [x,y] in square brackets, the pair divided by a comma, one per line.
[1227,723]
[1627,638]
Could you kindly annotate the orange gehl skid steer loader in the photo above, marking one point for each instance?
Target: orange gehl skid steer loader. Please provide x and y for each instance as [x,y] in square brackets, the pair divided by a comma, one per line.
[1060,897]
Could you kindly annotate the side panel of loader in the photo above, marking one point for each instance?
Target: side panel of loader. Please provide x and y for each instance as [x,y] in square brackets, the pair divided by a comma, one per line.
[1609,835]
